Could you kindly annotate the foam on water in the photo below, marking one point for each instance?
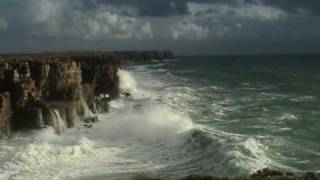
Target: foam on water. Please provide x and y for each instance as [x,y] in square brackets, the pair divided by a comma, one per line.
[127,82]
[59,123]
[151,131]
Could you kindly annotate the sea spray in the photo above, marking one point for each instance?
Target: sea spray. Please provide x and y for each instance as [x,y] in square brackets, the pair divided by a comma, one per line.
[59,123]
[140,119]
[127,81]
[165,132]
[143,122]
[86,112]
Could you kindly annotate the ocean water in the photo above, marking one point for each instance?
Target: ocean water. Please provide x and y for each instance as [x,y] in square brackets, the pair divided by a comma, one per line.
[223,116]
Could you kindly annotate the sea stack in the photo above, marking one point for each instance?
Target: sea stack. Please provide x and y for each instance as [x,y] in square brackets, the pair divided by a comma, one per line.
[55,89]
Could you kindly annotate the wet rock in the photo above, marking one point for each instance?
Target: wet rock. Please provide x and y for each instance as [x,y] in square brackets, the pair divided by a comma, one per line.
[91,119]
[56,89]
[102,105]
[88,125]
[264,174]
[203,177]
[146,177]
[126,94]
[5,115]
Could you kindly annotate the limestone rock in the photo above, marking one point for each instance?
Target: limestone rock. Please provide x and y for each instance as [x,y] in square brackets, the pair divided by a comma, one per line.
[55,89]
[5,115]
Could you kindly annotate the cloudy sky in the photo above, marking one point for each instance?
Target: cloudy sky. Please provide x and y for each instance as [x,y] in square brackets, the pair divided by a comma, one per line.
[184,26]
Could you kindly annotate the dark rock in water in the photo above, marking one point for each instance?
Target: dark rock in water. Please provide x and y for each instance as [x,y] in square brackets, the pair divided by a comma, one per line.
[144,55]
[56,89]
[203,177]
[102,105]
[88,125]
[146,177]
[198,140]
[88,122]
[126,94]
[91,119]
[265,174]
[278,175]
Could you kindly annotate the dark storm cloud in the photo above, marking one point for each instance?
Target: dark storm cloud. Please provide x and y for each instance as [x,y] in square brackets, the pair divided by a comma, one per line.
[180,7]
[147,7]
[157,7]
[294,6]
[185,26]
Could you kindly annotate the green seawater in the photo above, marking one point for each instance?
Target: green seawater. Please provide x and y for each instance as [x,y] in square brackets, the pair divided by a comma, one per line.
[273,99]
[213,115]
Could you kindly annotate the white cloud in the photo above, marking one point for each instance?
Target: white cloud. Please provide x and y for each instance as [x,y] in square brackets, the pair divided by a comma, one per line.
[106,23]
[252,11]
[3,24]
[261,12]
[189,30]
[226,20]
[68,18]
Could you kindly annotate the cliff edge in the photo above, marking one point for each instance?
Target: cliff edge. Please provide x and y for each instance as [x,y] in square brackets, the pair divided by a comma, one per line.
[61,90]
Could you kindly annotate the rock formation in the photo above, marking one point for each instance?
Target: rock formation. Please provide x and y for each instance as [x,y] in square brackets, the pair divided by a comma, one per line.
[144,55]
[55,89]
[264,174]
[5,114]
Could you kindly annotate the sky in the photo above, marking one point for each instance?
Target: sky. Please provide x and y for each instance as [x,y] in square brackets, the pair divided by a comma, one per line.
[184,26]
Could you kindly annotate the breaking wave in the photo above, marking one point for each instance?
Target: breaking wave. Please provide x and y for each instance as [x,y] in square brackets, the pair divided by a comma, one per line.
[153,129]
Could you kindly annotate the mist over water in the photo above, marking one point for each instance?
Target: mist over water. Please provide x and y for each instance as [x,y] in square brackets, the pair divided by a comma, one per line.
[190,115]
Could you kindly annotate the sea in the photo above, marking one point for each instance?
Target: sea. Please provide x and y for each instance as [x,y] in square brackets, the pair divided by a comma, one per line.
[208,115]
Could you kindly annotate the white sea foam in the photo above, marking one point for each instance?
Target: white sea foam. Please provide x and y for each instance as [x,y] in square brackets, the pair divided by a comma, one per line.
[118,144]
[302,98]
[288,117]
[151,130]
[127,82]
[148,123]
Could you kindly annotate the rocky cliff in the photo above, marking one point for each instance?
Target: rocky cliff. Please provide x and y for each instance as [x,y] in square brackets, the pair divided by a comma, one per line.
[144,55]
[61,90]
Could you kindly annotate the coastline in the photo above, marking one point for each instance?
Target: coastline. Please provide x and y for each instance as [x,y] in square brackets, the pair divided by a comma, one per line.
[71,67]
[61,89]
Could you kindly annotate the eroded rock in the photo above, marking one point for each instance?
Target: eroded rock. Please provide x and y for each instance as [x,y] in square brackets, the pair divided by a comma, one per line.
[55,89]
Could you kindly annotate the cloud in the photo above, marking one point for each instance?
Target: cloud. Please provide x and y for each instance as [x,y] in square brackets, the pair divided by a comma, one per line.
[251,11]
[261,12]
[189,30]
[3,24]
[292,6]
[183,25]
[71,18]
[152,8]
[180,7]
[105,22]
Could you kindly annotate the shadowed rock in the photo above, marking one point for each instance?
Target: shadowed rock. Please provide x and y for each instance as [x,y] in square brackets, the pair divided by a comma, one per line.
[264,174]
[5,114]
[56,89]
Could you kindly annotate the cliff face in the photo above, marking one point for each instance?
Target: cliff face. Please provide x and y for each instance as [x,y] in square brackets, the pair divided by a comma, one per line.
[59,90]
[5,114]
[144,55]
